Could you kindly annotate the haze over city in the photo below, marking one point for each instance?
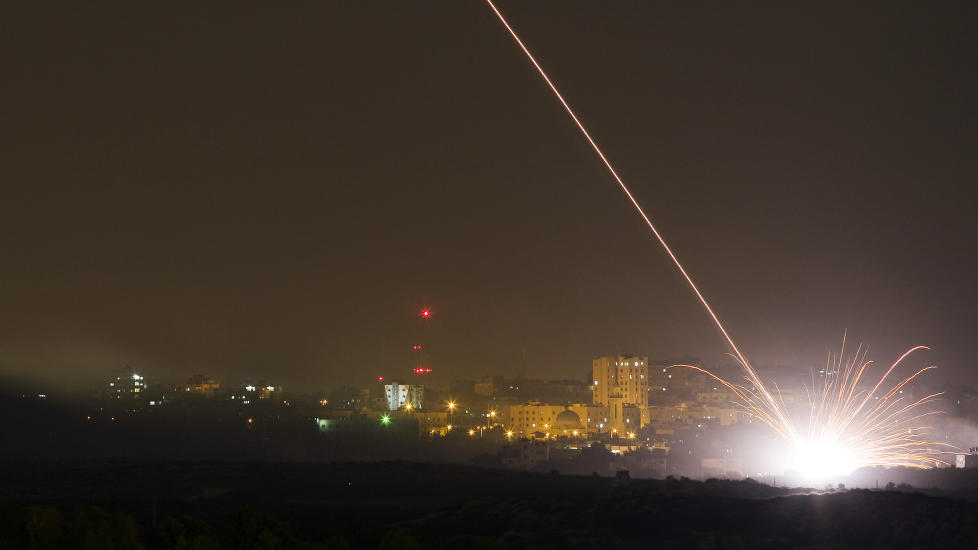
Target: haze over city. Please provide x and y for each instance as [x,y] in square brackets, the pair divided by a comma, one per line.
[489,274]
[254,191]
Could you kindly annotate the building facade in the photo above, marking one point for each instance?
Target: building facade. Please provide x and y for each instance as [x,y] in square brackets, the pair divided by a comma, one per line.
[409,396]
[126,385]
[199,384]
[541,420]
[626,375]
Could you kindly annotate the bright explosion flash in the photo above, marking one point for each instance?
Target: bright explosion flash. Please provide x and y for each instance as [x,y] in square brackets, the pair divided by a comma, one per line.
[816,460]
[848,426]
[852,421]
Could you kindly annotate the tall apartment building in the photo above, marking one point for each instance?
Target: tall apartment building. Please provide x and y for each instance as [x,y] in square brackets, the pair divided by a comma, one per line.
[125,384]
[402,395]
[625,375]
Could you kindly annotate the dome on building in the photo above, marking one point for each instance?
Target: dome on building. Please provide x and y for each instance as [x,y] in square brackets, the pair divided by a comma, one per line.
[568,420]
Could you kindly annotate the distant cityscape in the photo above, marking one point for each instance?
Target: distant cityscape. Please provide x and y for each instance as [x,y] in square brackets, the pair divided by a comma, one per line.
[649,417]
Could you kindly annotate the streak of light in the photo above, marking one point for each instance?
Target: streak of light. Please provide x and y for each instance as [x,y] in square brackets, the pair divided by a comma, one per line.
[878,434]
[675,260]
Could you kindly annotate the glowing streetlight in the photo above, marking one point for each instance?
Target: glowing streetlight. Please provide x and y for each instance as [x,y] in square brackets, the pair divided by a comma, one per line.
[509,434]
[471,432]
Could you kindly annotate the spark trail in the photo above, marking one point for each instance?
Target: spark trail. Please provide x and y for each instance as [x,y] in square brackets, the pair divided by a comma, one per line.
[751,374]
[848,426]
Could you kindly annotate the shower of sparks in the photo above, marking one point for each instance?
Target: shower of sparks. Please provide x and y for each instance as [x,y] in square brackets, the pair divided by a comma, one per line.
[852,420]
[848,427]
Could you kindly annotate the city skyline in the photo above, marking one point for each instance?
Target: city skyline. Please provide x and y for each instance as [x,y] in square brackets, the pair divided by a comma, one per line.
[281,205]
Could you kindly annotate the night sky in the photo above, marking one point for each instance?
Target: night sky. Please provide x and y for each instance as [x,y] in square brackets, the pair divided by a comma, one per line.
[274,192]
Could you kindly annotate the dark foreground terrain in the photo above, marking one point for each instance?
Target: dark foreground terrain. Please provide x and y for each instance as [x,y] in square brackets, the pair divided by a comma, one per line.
[405,505]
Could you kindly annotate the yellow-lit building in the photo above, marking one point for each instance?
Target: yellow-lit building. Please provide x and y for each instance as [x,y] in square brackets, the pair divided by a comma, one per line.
[626,375]
[690,413]
[201,385]
[539,421]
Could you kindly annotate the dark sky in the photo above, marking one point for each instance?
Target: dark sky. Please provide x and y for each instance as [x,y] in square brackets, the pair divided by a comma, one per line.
[275,191]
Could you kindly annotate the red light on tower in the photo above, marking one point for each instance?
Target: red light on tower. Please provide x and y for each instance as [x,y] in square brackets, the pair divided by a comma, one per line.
[426,313]
[380,378]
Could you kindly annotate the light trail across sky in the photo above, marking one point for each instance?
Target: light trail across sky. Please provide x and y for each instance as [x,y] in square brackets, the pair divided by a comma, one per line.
[848,427]
[751,374]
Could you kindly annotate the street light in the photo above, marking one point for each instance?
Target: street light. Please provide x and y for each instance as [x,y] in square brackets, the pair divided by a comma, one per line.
[451,413]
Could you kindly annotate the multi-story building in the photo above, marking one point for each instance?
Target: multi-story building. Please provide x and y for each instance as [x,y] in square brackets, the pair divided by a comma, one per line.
[404,395]
[485,387]
[125,384]
[202,385]
[525,455]
[717,398]
[625,375]
[969,460]
[540,420]
[251,391]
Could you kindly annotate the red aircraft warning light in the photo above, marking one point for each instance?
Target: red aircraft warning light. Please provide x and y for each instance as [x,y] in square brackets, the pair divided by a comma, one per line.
[380,378]
[426,313]
[422,370]
[416,347]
